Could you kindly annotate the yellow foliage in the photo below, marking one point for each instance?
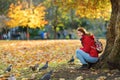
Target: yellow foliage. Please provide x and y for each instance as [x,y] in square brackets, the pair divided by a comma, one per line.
[87,8]
[27,17]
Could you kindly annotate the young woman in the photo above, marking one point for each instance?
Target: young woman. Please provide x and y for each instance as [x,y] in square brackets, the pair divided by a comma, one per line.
[86,54]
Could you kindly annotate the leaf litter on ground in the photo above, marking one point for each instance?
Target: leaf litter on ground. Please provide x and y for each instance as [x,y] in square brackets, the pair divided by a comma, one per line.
[23,54]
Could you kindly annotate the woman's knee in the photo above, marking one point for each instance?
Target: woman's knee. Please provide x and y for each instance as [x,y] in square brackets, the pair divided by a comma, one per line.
[78,51]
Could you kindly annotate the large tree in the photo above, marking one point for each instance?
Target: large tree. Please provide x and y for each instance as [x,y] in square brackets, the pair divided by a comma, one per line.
[112,51]
[101,8]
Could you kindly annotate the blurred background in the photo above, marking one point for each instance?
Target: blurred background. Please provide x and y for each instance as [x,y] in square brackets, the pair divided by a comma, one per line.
[45,19]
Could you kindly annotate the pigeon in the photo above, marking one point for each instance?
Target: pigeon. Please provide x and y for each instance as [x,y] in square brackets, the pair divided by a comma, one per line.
[47,76]
[12,77]
[71,60]
[44,67]
[34,68]
[9,68]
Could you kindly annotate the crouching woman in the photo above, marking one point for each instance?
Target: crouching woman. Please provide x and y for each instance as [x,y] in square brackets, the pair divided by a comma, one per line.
[86,54]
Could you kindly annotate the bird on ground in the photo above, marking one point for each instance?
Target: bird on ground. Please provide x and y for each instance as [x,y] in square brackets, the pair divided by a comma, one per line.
[47,76]
[12,77]
[9,68]
[44,67]
[35,67]
[71,60]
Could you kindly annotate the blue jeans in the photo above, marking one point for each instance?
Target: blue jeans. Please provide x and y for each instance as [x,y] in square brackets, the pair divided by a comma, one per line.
[85,57]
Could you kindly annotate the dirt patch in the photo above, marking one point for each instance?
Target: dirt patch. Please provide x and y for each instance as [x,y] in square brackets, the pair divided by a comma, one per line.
[70,72]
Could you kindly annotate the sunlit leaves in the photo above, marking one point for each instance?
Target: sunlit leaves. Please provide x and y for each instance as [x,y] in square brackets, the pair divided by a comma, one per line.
[95,9]
[25,53]
[87,8]
[21,15]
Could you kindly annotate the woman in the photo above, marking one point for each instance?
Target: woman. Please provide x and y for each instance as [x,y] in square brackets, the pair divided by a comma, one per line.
[87,55]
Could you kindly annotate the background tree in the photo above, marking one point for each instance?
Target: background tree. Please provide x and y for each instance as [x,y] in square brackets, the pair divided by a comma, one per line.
[4,5]
[3,27]
[21,15]
[53,16]
[59,17]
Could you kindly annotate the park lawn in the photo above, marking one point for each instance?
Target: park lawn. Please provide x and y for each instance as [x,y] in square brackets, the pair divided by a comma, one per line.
[23,54]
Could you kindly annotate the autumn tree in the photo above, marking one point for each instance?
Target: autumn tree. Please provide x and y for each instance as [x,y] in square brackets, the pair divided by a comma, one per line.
[20,14]
[108,10]
[53,15]
[59,17]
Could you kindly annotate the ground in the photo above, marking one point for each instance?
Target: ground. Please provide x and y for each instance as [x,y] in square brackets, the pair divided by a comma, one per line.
[23,54]
[70,72]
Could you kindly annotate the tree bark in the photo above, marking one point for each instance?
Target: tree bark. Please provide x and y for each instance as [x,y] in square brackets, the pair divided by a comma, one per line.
[111,55]
[55,22]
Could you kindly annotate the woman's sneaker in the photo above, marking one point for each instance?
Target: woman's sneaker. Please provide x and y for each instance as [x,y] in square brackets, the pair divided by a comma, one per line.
[84,67]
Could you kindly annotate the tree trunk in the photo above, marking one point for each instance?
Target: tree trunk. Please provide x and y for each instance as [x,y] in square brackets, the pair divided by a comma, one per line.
[27,34]
[55,32]
[55,21]
[111,56]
